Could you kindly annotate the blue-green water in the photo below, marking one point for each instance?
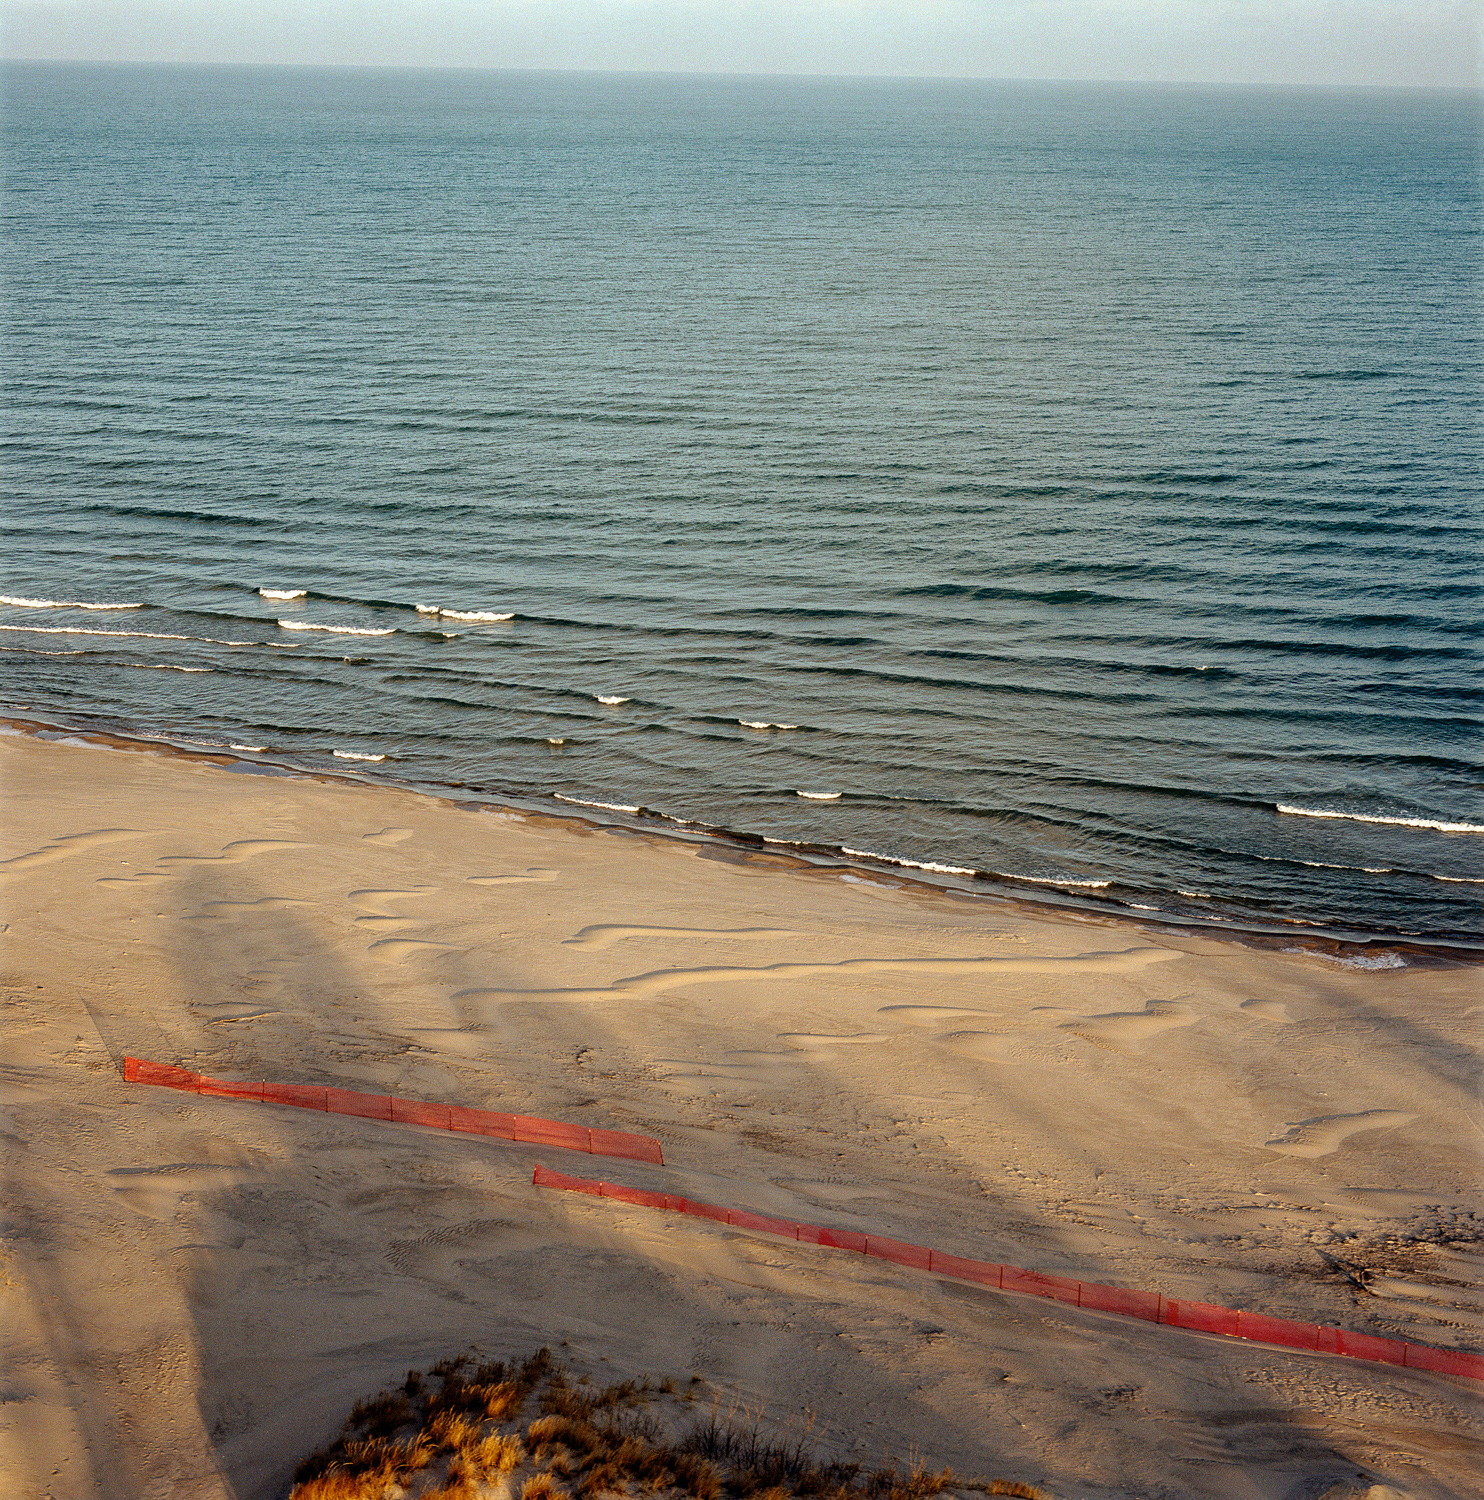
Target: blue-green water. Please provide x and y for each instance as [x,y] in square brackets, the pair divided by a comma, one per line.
[1087,477]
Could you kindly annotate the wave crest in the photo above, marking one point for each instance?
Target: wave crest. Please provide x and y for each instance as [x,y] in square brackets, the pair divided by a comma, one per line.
[17,602]
[1436,824]
[336,629]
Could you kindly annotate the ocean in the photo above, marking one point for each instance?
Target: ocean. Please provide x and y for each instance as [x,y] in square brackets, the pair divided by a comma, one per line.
[1068,491]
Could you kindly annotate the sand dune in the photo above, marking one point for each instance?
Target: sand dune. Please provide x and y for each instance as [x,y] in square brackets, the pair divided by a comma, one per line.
[194,1290]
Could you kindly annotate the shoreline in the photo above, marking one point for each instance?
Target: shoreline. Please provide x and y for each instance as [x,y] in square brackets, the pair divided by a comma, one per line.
[210,1282]
[1345,945]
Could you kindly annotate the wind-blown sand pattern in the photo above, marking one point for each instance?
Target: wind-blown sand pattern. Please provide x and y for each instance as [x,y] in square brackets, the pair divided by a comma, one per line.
[199,1287]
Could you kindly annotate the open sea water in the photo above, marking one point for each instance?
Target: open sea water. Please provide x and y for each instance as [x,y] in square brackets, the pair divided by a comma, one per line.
[1077,485]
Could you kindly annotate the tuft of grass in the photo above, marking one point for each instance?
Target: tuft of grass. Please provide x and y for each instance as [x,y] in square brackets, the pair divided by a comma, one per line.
[584,1443]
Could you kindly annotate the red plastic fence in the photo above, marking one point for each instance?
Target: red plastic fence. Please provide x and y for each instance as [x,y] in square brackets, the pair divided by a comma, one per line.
[521,1128]
[1151,1307]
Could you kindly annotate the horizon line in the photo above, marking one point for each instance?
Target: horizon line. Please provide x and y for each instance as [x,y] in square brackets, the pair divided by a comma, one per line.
[964,78]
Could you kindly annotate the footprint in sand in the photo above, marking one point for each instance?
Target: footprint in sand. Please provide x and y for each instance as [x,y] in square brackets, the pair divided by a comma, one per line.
[605,936]
[387,836]
[1128,1030]
[1325,1134]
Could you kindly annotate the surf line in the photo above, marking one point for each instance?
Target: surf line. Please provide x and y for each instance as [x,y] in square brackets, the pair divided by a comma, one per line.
[1148,1307]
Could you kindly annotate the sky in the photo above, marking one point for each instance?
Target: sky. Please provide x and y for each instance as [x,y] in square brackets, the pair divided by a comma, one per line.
[1385,42]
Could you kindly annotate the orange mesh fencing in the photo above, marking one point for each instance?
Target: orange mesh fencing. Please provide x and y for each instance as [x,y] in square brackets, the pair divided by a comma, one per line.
[526,1129]
[1149,1307]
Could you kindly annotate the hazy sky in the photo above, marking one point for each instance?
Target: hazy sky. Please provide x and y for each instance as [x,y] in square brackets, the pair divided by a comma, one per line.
[1240,41]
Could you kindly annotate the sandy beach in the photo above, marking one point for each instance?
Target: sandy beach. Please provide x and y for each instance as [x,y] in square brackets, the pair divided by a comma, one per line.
[196,1290]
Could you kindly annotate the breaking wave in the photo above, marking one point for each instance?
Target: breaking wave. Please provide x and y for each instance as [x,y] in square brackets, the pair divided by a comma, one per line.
[1436,824]
[336,629]
[17,602]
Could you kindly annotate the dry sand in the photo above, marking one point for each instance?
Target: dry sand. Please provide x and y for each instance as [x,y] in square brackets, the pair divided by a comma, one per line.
[195,1290]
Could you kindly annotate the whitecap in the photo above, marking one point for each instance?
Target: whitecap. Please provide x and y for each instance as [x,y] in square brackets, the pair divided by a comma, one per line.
[283,593]
[622,807]
[1434,823]
[611,700]
[1090,885]
[16,602]
[908,864]
[555,739]
[820,796]
[336,629]
[165,666]
[251,749]
[1459,879]
[427,609]
[473,614]
[763,724]
[355,755]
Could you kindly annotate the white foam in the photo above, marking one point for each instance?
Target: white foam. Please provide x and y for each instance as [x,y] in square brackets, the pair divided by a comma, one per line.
[610,700]
[555,739]
[19,603]
[909,864]
[622,807]
[336,629]
[1356,961]
[137,635]
[165,666]
[427,609]
[473,614]
[1089,885]
[252,749]
[1459,879]
[1194,895]
[1433,823]
[820,796]
[763,724]
[355,755]
[283,593]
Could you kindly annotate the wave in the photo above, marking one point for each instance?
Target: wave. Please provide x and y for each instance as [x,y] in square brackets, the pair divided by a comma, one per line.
[763,724]
[165,666]
[1459,879]
[1434,823]
[251,749]
[622,807]
[908,864]
[556,739]
[611,699]
[355,755]
[138,635]
[1084,885]
[18,603]
[336,629]
[283,593]
[820,796]
[475,615]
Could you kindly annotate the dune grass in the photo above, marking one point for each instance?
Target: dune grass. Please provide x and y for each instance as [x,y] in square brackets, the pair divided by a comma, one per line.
[467,1430]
